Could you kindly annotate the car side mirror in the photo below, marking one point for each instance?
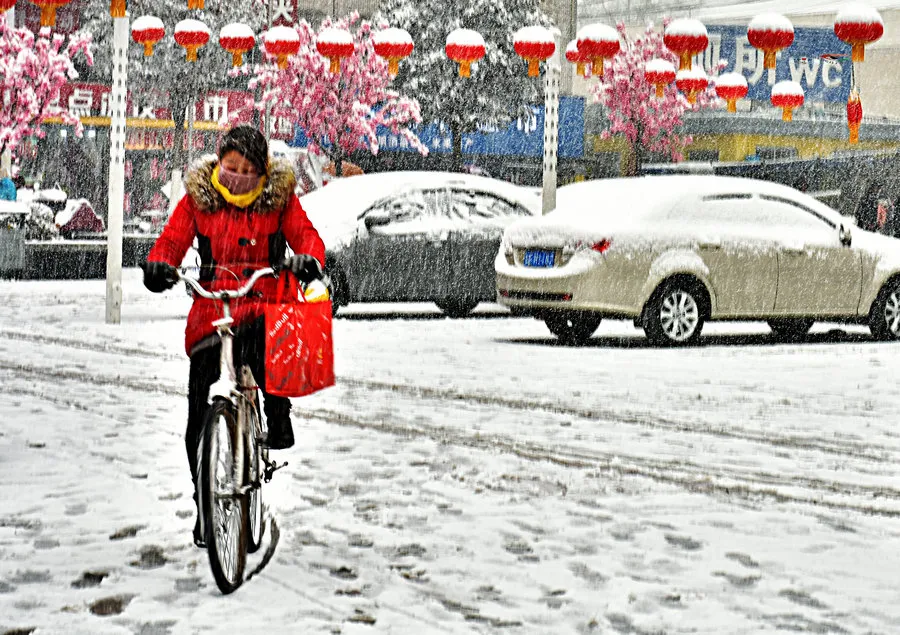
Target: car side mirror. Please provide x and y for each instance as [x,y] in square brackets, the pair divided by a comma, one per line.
[376,219]
[844,235]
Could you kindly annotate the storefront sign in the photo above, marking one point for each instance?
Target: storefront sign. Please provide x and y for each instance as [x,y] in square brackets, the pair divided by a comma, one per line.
[520,138]
[217,109]
[823,80]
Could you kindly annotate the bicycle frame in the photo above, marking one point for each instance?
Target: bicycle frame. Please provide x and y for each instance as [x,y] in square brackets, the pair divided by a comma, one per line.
[236,385]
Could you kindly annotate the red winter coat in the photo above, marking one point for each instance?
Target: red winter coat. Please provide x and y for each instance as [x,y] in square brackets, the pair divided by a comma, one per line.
[240,240]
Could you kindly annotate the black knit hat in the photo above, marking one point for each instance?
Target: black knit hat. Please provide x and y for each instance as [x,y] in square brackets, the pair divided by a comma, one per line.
[249,143]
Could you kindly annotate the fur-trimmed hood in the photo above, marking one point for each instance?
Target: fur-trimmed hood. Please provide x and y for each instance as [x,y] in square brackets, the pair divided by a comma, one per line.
[280,185]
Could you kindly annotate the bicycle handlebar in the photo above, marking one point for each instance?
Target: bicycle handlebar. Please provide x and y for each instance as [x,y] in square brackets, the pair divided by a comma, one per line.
[225,294]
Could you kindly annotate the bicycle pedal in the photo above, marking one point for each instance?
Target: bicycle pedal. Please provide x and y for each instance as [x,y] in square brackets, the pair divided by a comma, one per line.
[271,468]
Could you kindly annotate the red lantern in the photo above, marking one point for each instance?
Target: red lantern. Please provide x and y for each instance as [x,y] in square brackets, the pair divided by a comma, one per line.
[534,44]
[191,34]
[731,87]
[660,73]
[281,42]
[770,32]
[858,25]
[237,39]
[334,44]
[393,45]
[686,38]
[691,82]
[854,115]
[465,46]
[598,42]
[148,30]
[787,95]
[48,10]
[6,5]
[577,57]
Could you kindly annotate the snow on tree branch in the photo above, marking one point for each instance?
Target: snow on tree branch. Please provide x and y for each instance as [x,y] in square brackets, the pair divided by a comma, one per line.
[339,113]
[649,124]
[32,72]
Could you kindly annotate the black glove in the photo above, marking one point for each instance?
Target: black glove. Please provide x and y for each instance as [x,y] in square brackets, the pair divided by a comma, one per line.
[305,267]
[159,276]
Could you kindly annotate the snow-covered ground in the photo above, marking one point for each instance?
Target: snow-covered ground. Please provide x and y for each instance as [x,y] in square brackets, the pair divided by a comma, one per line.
[464,476]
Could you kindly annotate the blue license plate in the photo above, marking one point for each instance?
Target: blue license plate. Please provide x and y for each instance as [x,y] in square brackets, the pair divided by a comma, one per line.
[539,258]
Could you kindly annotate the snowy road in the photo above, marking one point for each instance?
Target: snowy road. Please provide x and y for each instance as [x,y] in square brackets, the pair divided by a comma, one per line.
[464,476]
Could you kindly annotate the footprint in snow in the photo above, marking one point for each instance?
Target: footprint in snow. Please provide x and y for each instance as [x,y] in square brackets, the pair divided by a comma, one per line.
[684,542]
[151,557]
[739,581]
[90,579]
[743,559]
[110,606]
[127,532]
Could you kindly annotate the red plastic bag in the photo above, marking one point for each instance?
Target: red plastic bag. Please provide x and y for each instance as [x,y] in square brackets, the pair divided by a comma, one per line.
[299,353]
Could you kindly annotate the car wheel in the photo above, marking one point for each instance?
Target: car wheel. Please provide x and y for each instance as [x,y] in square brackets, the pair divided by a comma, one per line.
[674,316]
[572,328]
[791,329]
[456,308]
[884,318]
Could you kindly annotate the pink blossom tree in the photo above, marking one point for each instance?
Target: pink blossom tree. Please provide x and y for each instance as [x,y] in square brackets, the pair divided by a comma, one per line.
[32,71]
[340,113]
[648,124]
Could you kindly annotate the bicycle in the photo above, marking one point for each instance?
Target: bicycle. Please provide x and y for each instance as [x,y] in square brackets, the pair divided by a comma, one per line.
[231,453]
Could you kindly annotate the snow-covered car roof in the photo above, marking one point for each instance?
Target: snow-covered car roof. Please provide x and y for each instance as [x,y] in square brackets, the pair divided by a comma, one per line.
[647,196]
[335,208]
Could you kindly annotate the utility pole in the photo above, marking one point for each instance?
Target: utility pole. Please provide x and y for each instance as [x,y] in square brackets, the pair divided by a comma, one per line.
[116,203]
[551,126]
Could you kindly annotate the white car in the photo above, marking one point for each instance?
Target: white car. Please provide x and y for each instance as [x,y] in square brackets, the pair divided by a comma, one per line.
[415,236]
[671,252]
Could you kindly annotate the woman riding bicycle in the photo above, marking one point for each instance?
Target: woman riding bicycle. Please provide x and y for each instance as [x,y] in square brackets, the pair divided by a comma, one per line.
[243,212]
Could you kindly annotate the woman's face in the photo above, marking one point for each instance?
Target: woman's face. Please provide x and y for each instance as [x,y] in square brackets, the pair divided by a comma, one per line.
[234,161]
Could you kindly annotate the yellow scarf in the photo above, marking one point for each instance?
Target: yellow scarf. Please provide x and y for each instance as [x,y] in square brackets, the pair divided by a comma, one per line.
[238,200]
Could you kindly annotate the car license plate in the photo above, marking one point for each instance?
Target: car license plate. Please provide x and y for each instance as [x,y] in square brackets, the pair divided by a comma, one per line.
[539,258]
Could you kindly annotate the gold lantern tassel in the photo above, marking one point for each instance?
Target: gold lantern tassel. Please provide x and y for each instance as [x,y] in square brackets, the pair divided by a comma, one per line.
[48,15]
[148,49]
[117,8]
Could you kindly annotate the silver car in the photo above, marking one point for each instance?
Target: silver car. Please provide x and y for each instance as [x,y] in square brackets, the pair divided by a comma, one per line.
[415,236]
[672,252]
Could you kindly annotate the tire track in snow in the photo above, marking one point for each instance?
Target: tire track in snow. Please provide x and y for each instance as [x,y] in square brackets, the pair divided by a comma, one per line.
[844,448]
[693,477]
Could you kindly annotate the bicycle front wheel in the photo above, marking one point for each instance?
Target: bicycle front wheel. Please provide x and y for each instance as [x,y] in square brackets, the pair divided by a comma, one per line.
[254,468]
[224,505]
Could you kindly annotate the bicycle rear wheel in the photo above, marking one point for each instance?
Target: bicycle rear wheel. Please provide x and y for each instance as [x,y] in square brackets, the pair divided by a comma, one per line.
[224,508]
[257,521]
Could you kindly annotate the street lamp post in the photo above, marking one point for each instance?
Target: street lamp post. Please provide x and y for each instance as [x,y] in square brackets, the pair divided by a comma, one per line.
[116,202]
[551,127]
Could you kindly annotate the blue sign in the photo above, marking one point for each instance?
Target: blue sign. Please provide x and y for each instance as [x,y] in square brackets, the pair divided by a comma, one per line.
[823,80]
[518,139]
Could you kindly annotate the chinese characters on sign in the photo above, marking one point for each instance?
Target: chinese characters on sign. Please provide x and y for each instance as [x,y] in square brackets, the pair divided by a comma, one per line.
[222,108]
